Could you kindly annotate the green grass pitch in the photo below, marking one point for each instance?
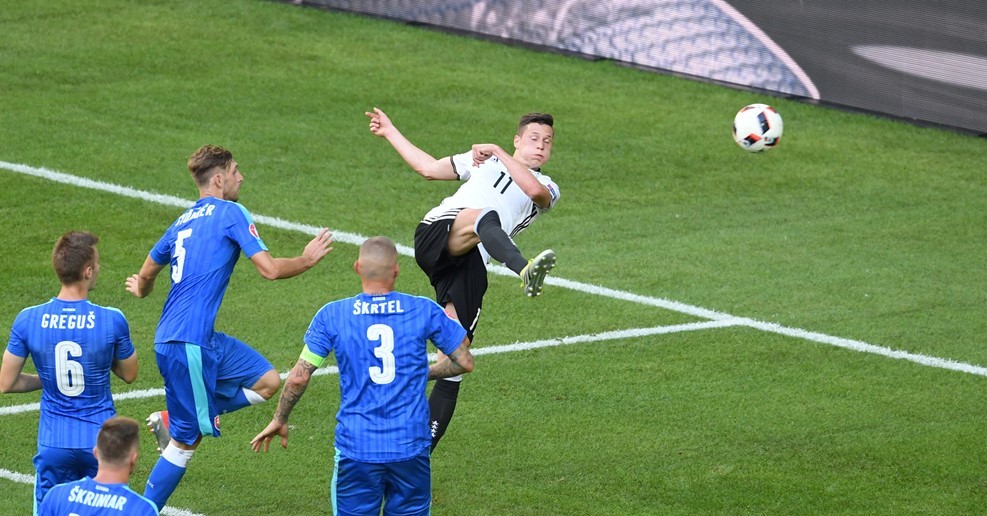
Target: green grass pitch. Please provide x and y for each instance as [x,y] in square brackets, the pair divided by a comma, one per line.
[856,231]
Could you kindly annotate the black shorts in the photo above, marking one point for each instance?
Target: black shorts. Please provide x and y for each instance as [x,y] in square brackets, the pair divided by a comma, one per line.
[460,279]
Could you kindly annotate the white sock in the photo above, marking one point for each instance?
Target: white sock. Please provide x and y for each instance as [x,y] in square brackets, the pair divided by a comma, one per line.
[177,456]
[252,397]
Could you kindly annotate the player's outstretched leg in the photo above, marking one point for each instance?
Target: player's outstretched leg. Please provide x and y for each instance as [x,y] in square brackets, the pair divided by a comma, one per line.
[533,275]
[499,246]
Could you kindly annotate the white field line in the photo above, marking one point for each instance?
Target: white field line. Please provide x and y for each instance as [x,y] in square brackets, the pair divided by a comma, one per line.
[486,350]
[16,477]
[356,239]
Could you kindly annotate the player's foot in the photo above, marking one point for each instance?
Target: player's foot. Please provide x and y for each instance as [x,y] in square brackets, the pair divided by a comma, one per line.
[533,274]
[157,423]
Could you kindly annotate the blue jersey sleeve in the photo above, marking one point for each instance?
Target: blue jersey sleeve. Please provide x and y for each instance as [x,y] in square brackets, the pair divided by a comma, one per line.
[121,330]
[318,338]
[241,228]
[17,345]
[447,333]
[161,252]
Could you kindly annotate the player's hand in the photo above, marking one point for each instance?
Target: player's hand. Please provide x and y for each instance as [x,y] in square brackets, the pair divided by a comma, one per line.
[482,152]
[319,247]
[264,438]
[133,285]
[380,125]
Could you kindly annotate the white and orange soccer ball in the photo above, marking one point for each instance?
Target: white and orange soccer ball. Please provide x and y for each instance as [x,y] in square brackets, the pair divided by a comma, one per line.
[757,127]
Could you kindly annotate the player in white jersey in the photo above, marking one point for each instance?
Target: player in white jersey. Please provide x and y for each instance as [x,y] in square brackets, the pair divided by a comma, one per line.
[501,194]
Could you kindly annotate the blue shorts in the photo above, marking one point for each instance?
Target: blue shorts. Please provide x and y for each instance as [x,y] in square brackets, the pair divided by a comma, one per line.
[403,487]
[59,465]
[195,376]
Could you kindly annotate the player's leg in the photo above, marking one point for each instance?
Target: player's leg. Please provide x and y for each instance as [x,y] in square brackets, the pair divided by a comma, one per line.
[462,294]
[357,488]
[485,225]
[189,372]
[499,246]
[55,466]
[244,376]
[443,271]
[408,488]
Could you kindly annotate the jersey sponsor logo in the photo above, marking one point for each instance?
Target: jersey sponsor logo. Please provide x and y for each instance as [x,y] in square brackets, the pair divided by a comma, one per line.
[253,231]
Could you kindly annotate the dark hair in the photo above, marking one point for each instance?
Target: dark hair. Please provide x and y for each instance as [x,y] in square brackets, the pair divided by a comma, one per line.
[117,439]
[73,252]
[203,163]
[534,118]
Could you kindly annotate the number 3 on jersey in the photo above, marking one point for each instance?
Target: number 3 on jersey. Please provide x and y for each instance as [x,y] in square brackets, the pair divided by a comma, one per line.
[178,268]
[385,352]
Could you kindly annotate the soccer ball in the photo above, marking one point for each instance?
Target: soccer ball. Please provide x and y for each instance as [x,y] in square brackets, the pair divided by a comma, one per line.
[757,127]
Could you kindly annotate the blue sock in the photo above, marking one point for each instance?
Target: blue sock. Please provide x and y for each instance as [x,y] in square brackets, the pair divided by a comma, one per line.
[244,397]
[237,402]
[162,481]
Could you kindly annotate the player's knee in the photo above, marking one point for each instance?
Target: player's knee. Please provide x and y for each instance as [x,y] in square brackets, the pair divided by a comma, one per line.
[268,384]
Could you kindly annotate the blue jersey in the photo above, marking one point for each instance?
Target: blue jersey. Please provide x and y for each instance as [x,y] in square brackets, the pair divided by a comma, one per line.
[380,344]
[87,497]
[202,246]
[73,345]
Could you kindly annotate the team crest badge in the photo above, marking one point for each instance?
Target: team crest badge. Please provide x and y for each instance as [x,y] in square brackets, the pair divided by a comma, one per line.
[253,231]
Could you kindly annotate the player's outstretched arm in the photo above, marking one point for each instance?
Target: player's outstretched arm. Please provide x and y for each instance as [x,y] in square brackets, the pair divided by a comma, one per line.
[419,160]
[294,387]
[12,379]
[142,283]
[281,268]
[459,362]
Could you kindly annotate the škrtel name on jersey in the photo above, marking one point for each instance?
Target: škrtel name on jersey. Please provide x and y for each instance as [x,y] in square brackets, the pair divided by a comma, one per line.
[371,308]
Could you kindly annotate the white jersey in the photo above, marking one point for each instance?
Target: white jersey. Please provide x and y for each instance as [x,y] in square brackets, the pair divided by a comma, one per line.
[490,185]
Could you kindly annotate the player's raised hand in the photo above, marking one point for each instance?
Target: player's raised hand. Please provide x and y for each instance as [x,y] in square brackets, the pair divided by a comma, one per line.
[319,247]
[380,125]
[482,152]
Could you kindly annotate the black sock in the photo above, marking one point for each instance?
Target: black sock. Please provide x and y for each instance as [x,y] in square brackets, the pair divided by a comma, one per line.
[498,244]
[441,405]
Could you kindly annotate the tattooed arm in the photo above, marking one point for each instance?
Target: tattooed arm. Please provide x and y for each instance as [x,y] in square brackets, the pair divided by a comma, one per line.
[459,362]
[294,387]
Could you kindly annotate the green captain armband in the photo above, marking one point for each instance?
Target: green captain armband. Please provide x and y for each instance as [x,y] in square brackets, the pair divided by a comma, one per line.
[311,358]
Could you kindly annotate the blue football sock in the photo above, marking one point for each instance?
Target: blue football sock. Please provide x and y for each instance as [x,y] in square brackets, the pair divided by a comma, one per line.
[237,402]
[162,481]
[243,398]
